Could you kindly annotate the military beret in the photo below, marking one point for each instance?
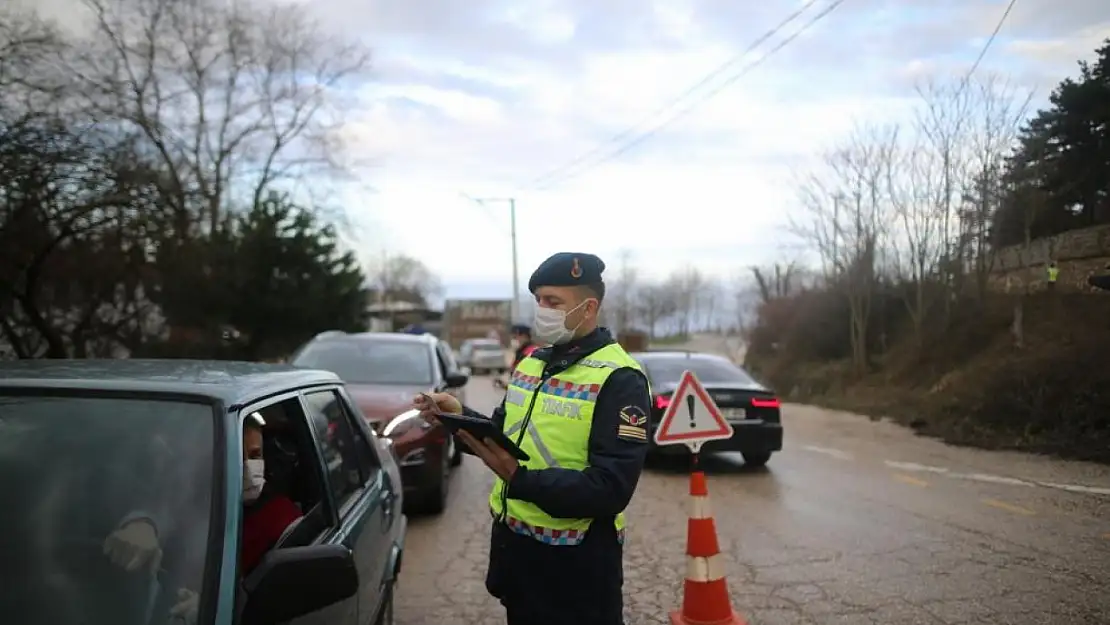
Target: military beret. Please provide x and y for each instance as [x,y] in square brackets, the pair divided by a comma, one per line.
[567,269]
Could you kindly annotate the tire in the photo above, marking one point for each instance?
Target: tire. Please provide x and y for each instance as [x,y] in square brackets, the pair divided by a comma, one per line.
[756,459]
[435,498]
[385,616]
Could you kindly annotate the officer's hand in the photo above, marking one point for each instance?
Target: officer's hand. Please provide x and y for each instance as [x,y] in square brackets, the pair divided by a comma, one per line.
[496,458]
[432,403]
[134,545]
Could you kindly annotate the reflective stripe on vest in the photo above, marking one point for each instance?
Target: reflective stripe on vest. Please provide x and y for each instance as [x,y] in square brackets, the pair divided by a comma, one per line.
[556,434]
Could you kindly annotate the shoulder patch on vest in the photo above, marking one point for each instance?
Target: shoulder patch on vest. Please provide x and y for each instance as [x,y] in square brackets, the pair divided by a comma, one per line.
[633,424]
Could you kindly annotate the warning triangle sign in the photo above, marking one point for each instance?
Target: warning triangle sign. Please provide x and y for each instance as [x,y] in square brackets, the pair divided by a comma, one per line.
[692,417]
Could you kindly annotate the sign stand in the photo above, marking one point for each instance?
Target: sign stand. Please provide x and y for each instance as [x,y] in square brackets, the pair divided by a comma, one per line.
[692,419]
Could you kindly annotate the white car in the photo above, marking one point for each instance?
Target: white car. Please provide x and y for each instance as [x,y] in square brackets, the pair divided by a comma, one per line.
[483,356]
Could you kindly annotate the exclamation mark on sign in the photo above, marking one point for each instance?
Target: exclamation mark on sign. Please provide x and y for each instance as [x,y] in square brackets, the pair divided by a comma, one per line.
[690,409]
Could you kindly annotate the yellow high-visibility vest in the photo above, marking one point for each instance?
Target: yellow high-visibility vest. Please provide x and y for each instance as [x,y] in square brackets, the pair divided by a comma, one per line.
[1053,273]
[557,434]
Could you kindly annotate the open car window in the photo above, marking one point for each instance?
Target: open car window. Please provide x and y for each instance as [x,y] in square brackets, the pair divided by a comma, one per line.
[73,470]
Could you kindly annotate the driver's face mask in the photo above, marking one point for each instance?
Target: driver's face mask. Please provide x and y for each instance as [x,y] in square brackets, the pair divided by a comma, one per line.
[254,478]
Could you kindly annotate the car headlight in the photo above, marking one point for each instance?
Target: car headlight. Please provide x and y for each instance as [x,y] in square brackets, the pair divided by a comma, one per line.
[404,422]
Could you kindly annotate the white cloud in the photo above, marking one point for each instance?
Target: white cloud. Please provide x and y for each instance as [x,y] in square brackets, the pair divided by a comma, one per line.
[485,96]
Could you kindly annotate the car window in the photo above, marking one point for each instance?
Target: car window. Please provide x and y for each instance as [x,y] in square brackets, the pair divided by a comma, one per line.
[75,470]
[708,370]
[346,453]
[446,359]
[368,361]
[368,461]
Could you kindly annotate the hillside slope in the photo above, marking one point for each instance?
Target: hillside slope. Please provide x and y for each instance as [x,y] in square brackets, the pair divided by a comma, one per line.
[973,386]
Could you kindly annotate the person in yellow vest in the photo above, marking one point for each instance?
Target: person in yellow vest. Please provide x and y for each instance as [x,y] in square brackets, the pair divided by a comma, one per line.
[1053,274]
[579,407]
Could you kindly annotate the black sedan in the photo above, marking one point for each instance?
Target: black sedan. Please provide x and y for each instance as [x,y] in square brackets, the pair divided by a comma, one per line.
[752,409]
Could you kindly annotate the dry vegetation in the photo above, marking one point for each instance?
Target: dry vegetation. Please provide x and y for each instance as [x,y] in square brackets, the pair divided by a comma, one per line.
[905,221]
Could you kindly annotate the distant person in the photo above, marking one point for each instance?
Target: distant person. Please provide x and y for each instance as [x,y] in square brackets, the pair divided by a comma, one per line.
[1053,274]
[557,540]
[522,343]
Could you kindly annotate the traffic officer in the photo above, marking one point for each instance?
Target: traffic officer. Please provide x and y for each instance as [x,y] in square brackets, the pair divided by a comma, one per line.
[579,407]
[1053,274]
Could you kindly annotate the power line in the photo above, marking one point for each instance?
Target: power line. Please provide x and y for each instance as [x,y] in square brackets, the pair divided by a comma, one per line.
[682,112]
[720,69]
[989,42]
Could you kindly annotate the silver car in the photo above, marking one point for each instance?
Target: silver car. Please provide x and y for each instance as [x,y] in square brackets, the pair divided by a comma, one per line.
[483,356]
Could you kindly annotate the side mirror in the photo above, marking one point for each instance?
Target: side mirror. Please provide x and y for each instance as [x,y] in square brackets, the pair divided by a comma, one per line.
[295,581]
[455,380]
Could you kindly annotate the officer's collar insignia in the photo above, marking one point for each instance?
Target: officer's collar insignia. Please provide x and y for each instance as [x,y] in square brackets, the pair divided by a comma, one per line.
[575,269]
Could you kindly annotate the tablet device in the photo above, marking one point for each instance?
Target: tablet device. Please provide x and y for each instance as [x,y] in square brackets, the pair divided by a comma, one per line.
[482,429]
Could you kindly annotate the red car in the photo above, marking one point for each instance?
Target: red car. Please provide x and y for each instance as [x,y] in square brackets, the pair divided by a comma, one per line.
[382,372]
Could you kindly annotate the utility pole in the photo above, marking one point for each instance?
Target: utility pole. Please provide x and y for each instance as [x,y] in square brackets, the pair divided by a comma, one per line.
[512,236]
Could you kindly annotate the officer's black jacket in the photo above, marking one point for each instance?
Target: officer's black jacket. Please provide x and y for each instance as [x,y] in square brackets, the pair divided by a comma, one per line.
[605,486]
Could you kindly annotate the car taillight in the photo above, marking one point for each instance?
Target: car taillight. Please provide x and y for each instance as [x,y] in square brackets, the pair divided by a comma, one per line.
[764,402]
[662,401]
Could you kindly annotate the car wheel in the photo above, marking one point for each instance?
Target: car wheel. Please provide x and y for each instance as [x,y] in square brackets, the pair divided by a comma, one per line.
[385,615]
[435,500]
[756,459]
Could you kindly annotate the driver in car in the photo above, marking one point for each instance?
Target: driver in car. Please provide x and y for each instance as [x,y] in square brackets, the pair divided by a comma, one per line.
[266,515]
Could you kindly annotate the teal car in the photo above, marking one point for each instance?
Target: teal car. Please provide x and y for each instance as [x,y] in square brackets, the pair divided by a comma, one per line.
[89,448]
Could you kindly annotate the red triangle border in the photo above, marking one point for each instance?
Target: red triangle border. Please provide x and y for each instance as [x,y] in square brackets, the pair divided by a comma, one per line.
[688,379]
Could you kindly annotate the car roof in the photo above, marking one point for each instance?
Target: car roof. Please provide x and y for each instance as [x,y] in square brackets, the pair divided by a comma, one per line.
[232,382]
[675,354]
[398,337]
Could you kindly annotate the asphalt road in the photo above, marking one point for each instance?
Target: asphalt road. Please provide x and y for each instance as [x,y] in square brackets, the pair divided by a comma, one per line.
[856,522]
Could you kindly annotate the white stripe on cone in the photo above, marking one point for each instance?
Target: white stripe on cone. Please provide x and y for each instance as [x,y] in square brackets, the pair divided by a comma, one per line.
[704,570]
[700,508]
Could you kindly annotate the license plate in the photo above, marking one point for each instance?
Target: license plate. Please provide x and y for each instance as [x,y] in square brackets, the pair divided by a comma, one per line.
[735,414]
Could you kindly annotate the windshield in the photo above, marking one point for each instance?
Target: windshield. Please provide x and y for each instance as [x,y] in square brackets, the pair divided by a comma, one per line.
[708,371]
[90,485]
[371,362]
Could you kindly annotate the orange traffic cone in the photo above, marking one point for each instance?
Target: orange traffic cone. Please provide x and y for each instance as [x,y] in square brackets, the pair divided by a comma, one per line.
[705,594]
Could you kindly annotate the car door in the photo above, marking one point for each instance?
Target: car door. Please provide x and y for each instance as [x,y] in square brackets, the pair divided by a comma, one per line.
[360,493]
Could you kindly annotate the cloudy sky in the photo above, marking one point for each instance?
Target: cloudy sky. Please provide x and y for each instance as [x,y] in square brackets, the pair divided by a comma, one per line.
[484,97]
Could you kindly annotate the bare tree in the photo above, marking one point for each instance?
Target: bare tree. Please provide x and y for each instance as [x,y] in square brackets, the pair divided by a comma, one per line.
[400,278]
[706,303]
[776,281]
[918,239]
[942,123]
[685,286]
[657,303]
[621,298]
[997,110]
[230,97]
[846,217]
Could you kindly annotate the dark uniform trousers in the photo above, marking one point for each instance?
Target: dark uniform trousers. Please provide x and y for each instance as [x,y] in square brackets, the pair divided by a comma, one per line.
[558,585]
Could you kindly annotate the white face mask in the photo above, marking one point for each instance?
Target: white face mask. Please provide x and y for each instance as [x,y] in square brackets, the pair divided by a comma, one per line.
[254,478]
[550,325]
[515,343]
